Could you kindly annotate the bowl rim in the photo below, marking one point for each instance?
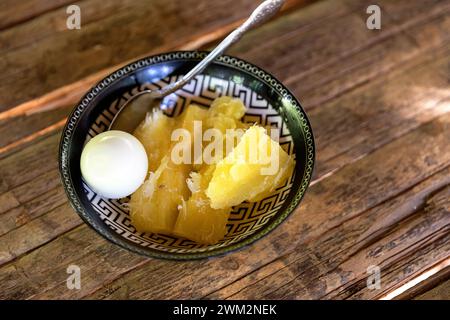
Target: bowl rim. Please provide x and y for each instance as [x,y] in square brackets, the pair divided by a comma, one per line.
[123,72]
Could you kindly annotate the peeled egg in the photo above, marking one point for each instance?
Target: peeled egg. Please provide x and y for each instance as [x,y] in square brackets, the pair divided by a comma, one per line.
[114,164]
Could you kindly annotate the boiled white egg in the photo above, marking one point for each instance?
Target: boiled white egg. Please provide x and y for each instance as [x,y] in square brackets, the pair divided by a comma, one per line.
[114,164]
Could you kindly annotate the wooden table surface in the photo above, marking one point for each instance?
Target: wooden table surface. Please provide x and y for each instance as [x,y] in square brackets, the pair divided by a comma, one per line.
[379,104]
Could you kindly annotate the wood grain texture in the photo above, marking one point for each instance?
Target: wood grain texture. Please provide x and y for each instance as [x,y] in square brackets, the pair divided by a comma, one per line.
[379,104]
[317,80]
[175,276]
[352,56]
[440,292]
[55,59]
[16,12]
[321,268]
[321,120]
[330,203]
[29,103]
[415,289]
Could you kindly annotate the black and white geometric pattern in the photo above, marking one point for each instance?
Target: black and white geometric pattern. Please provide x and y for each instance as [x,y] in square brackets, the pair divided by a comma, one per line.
[246,218]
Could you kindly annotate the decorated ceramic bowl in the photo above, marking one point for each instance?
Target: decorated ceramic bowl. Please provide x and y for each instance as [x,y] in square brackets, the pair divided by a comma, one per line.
[267,101]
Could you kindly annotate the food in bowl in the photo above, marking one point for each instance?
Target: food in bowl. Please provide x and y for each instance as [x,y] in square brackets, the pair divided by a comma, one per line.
[190,194]
[267,103]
